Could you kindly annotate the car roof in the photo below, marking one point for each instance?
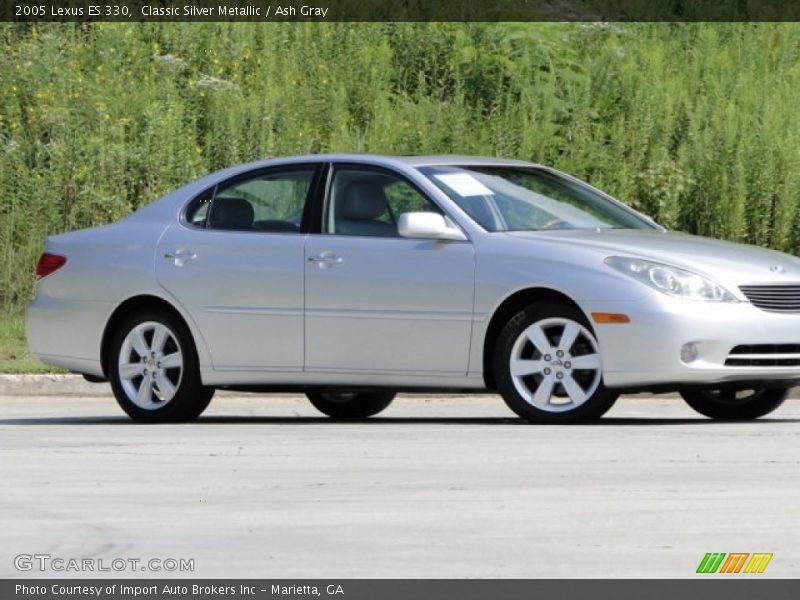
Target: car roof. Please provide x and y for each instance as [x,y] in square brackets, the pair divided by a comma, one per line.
[456,159]
[387,160]
[410,160]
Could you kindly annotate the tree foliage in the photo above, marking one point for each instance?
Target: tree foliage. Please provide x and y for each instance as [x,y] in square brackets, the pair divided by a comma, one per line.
[695,124]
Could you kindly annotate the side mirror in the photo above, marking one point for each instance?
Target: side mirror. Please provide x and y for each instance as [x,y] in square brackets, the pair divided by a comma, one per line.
[427,225]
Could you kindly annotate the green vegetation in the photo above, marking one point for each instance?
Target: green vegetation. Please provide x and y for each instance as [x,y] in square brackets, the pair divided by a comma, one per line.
[695,124]
[14,354]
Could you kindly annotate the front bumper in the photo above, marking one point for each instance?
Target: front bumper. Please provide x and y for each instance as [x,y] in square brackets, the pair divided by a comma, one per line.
[647,351]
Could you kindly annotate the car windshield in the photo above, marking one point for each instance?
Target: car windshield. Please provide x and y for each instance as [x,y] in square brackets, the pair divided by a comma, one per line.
[529,199]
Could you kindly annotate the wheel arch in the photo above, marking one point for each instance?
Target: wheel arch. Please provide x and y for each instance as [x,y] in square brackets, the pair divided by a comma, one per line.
[132,304]
[508,308]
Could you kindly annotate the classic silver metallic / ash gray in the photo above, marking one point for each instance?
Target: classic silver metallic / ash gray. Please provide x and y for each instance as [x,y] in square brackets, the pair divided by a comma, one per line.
[351,277]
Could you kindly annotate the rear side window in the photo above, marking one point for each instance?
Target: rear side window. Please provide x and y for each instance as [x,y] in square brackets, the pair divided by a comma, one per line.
[268,202]
[197,211]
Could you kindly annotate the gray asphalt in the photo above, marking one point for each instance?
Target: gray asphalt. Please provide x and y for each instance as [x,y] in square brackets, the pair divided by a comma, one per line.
[261,486]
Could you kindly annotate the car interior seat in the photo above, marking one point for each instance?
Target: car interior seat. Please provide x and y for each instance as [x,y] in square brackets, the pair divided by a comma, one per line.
[231,213]
[358,207]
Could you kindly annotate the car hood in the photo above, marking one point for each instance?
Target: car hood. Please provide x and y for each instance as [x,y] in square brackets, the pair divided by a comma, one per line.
[726,262]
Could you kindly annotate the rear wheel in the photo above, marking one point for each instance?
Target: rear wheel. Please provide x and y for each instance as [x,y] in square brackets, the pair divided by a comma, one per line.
[547,366]
[735,405]
[350,405]
[154,371]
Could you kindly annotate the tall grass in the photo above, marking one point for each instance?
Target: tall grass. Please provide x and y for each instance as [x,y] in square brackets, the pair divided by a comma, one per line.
[695,124]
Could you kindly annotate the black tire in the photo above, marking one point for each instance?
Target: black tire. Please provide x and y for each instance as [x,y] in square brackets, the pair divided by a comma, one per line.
[552,320]
[350,406]
[733,405]
[189,399]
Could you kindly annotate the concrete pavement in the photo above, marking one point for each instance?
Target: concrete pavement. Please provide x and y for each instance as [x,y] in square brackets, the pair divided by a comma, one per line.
[446,486]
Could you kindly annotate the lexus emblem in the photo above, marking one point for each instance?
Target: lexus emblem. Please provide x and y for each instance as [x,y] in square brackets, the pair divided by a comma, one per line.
[777,269]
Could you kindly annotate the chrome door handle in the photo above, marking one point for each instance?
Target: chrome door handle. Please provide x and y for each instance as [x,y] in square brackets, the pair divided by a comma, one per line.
[178,255]
[327,259]
[182,255]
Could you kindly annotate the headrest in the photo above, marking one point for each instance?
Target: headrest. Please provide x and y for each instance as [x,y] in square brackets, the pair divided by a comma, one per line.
[361,200]
[231,213]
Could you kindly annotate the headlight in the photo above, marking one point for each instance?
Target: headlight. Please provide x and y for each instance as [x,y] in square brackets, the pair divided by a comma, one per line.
[671,280]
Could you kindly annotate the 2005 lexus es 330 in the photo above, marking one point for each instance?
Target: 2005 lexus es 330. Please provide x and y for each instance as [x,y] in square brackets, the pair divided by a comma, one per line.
[350,277]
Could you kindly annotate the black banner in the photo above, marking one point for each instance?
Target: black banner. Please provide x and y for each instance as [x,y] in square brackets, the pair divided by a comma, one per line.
[399,10]
[382,589]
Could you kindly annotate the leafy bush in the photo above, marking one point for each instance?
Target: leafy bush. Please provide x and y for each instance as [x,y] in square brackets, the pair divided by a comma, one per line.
[693,123]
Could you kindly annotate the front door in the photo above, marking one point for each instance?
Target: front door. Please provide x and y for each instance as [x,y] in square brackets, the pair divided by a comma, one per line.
[377,302]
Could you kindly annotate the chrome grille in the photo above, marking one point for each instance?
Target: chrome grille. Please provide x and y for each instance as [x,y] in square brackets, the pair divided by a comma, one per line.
[781,298]
[764,355]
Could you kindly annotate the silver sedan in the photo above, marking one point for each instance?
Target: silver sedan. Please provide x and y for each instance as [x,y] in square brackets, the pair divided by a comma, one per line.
[351,277]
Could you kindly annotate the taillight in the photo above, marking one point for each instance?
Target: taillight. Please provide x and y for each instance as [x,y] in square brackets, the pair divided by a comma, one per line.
[49,264]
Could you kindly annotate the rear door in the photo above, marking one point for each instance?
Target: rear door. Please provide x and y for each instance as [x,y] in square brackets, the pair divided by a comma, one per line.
[236,264]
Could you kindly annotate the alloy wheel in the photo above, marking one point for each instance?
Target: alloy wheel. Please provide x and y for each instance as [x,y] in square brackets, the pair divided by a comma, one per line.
[555,364]
[150,365]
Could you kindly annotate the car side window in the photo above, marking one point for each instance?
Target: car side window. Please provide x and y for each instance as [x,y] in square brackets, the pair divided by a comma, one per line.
[365,202]
[269,202]
[197,211]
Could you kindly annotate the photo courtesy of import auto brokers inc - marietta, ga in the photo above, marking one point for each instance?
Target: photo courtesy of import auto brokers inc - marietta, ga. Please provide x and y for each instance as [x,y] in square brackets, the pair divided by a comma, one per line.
[353,277]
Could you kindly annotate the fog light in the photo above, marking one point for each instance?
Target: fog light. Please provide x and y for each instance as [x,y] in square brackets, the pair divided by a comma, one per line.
[689,352]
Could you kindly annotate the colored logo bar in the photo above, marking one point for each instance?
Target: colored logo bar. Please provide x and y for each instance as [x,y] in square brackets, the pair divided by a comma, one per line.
[734,562]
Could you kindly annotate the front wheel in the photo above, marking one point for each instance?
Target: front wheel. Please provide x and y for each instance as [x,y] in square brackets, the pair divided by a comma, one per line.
[547,366]
[735,405]
[350,405]
[153,369]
